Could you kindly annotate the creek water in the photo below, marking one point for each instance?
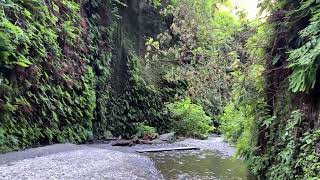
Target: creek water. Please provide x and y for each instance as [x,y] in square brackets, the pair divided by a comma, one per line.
[215,160]
[199,165]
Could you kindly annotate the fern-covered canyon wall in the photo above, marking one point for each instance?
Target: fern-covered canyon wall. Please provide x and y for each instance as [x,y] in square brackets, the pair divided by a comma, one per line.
[273,115]
[133,99]
[47,84]
[70,71]
[288,142]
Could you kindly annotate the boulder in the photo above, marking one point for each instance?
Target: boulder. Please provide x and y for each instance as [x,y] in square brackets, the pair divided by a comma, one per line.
[168,137]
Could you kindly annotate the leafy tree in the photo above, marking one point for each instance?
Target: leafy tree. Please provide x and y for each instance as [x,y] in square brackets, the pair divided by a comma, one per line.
[190,119]
[198,48]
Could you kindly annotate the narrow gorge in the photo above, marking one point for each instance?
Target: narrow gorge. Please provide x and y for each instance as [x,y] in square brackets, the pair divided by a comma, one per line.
[221,75]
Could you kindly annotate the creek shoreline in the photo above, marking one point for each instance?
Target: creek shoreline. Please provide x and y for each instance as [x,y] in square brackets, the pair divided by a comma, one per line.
[104,161]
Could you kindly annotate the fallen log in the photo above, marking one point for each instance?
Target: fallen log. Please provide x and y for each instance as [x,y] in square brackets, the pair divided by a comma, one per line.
[167,149]
[144,142]
[122,143]
[130,142]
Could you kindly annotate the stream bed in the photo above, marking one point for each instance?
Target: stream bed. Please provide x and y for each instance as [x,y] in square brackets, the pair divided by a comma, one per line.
[215,160]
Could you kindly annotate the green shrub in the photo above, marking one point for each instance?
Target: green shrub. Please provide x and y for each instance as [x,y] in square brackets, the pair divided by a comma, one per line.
[235,121]
[236,125]
[143,129]
[190,119]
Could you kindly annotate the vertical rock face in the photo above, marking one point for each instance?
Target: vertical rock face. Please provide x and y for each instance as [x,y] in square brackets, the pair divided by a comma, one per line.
[289,146]
[69,69]
[123,43]
[131,99]
[46,82]
[123,98]
[140,21]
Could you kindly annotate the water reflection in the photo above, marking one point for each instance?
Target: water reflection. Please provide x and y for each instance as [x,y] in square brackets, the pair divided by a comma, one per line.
[199,165]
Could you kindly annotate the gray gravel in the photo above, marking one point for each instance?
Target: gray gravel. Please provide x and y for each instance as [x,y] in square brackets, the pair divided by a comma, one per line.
[78,162]
[37,152]
[95,161]
[213,143]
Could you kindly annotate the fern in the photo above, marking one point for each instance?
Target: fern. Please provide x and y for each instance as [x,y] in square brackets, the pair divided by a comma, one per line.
[304,61]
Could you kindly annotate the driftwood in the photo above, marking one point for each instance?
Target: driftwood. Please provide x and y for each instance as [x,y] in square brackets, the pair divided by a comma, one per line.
[145,142]
[131,142]
[123,143]
[168,149]
[164,138]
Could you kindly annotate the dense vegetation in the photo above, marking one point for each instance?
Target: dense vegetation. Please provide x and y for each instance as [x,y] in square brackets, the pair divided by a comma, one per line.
[46,81]
[190,119]
[72,71]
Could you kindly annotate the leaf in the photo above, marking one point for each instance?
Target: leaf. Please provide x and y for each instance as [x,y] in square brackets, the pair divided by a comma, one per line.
[276,59]
[23,62]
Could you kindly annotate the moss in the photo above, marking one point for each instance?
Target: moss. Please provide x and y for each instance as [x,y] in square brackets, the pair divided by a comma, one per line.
[287,145]
[56,73]
[44,62]
[138,102]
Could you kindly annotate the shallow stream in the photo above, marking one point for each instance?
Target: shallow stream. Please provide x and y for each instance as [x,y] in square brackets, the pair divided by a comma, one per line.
[215,160]
[198,165]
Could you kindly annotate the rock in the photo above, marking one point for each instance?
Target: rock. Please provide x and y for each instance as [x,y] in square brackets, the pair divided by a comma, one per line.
[202,137]
[167,137]
[108,135]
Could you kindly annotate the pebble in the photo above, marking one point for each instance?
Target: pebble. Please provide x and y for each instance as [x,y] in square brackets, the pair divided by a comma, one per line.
[87,163]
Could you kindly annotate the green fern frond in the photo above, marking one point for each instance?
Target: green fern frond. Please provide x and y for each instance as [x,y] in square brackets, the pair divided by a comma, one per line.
[304,61]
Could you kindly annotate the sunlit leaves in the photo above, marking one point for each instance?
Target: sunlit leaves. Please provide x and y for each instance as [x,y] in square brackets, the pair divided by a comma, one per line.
[191,120]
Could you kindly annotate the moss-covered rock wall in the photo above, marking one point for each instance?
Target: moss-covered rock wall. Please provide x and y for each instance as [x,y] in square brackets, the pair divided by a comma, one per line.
[70,71]
[132,99]
[288,144]
[46,81]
